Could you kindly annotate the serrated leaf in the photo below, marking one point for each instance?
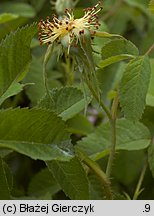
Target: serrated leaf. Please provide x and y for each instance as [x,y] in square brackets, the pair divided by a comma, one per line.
[37,133]
[119,47]
[21,9]
[43,183]
[96,188]
[134,87]
[89,65]
[4,185]
[14,89]
[150,94]
[35,75]
[15,56]
[6,17]
[151,158]
[130,136]
[85,42]
[114,59]
[71,177]
[66,102]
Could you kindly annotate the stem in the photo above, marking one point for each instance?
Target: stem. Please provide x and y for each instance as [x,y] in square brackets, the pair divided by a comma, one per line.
[46,59]
[106,110]
[139,184]
[150,50]
[113,136]
[69,69]
[100,174]
[112,120]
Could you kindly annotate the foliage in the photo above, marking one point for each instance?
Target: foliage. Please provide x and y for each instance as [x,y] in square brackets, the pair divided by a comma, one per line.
[77,116]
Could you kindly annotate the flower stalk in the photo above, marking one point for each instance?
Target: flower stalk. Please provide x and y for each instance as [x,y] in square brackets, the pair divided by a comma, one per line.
[99,173]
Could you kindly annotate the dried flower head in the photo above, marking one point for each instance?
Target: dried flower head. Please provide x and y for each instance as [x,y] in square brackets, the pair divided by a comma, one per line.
[68,29]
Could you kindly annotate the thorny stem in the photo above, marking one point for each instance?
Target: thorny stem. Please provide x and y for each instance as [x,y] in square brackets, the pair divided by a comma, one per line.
[99,172]
[112,119]
[113,136]
[139,184]
[150,50]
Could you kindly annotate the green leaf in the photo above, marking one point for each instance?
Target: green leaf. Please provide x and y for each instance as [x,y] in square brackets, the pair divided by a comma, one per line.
[4,184]
[130,136]
[96,188]
[14,89]
[71,177]
[4,152]
[35,75]
[37,133]
[151,158]
[128,166]
[119,47]
[43,183]
[6,17]
[114,59]
[80,125]
[21,9]
[150,94]
[66,102]
[89,71]
[15,56]
[85,42]
[134,87]
[102,34]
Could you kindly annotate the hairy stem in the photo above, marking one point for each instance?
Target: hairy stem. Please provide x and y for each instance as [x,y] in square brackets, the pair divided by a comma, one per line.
[100,102]
[113,136]
[99,172]
[139,184]
[151,49]
[112,119]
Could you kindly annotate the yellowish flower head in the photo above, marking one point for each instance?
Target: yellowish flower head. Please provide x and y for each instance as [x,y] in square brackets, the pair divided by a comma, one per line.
[68,29]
